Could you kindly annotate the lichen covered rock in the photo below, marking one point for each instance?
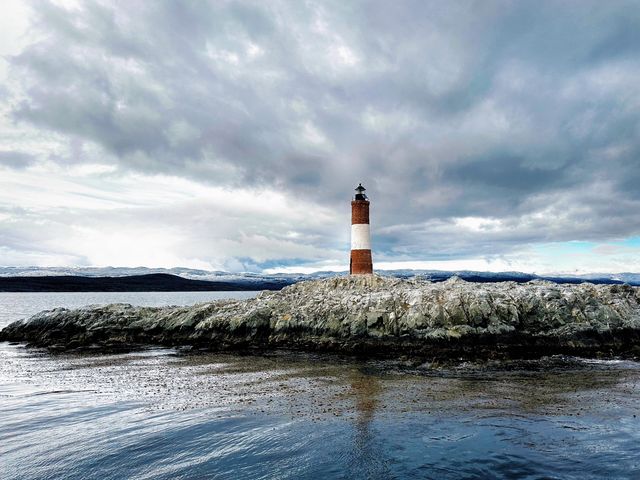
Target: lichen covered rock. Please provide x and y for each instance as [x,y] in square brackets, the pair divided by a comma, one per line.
[368,314]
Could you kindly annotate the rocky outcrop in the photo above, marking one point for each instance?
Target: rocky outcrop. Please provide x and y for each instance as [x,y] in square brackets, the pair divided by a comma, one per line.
[369,314]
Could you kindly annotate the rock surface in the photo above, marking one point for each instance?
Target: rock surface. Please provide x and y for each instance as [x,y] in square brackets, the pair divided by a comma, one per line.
[369,314]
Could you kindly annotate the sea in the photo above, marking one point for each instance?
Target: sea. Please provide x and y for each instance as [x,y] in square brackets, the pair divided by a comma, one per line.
[162,413]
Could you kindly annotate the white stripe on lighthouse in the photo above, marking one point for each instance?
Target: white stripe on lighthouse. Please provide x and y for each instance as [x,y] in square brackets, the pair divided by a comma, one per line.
[360,237]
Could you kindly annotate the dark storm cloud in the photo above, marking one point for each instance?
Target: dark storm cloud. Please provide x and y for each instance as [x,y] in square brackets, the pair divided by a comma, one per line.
[510,110]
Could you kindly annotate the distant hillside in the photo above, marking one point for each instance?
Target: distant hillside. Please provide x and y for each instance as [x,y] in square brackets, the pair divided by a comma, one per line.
[155,282]
[118,279]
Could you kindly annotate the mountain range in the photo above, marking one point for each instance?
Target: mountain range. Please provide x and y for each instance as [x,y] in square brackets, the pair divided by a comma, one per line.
[184,279]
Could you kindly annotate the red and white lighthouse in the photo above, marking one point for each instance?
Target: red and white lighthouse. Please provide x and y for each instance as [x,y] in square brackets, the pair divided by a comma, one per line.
[361,263]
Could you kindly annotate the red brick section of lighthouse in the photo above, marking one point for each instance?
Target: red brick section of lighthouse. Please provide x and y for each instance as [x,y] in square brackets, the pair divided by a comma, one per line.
[361,262]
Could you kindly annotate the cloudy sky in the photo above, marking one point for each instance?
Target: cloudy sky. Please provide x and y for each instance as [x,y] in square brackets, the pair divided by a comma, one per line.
[491,135]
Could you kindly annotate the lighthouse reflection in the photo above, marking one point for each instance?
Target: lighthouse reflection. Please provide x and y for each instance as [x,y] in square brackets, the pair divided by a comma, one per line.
[367,458]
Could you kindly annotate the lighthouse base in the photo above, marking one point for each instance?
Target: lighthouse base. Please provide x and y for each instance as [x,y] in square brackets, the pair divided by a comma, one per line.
[361,263]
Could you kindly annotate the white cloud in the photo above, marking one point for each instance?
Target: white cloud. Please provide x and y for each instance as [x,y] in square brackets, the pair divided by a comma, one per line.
[97,217]
[230,134]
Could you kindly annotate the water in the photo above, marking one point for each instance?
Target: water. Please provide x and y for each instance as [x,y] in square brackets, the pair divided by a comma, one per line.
[162,414]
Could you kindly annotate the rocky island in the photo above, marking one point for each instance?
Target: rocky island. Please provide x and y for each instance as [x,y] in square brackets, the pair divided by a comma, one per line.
[370,315]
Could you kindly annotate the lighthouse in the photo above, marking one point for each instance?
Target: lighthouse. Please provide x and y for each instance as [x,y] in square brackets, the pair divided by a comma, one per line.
[361,263]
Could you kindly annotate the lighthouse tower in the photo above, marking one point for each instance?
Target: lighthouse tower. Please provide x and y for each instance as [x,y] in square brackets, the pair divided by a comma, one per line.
[361,262]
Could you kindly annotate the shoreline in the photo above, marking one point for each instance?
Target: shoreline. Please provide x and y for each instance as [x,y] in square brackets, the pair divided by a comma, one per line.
[623,345]
[368,316]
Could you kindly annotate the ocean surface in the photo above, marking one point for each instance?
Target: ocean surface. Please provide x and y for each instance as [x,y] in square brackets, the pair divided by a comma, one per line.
[166,414]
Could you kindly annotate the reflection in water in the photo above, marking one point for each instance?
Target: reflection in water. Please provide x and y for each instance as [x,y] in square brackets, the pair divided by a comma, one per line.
[367,459]
[161,414]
